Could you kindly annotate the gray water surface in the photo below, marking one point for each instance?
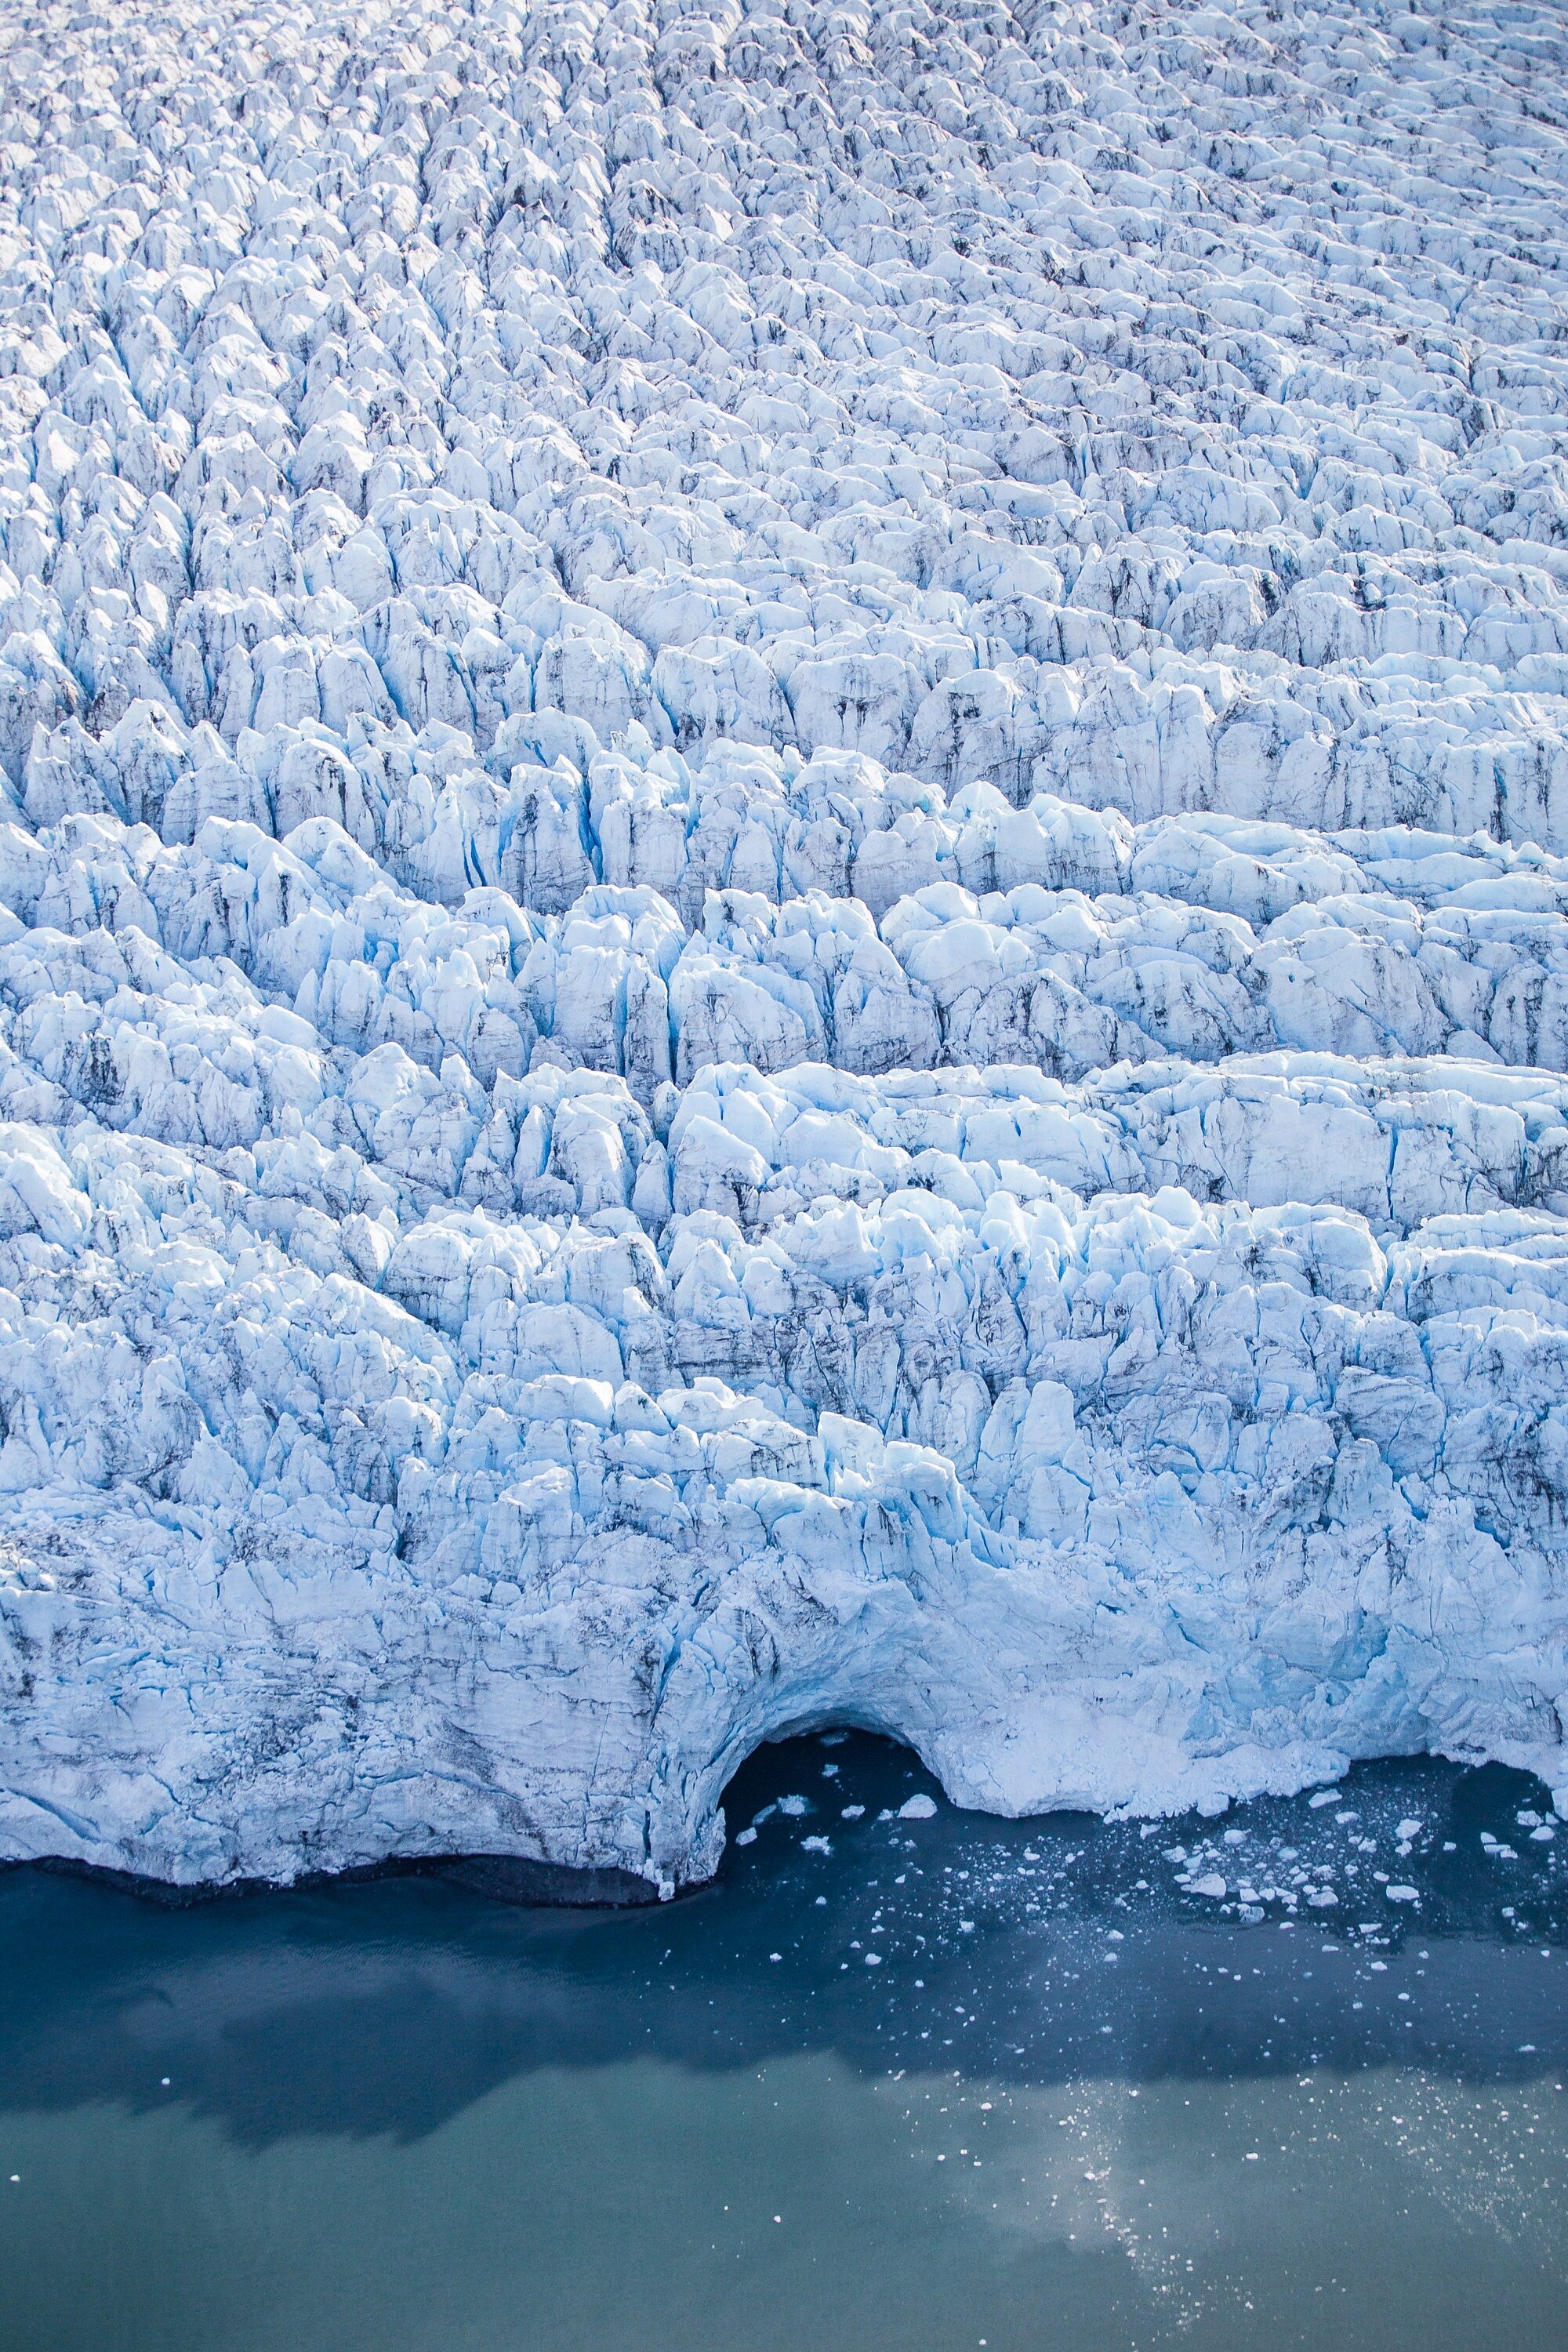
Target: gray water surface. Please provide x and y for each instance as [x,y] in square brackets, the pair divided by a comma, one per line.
[951,2082]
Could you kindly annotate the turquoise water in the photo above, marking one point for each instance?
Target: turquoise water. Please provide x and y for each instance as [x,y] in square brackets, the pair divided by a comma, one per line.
[953,2082]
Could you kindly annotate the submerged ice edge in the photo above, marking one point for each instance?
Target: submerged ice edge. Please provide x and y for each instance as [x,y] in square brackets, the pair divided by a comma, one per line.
[781,915]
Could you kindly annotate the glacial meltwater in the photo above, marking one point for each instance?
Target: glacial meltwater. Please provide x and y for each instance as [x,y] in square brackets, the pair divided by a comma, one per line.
[904,2079]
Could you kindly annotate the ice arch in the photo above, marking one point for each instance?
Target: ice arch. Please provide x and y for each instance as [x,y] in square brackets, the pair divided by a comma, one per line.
[972,1673]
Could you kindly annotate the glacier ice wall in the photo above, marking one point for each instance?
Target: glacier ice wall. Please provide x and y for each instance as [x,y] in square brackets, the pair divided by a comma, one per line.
[783,850]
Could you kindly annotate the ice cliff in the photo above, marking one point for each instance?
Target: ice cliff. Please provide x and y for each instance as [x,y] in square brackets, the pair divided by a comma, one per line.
[783,909]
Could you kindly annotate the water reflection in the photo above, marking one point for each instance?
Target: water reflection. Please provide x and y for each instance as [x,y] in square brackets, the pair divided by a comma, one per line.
[1032,1953]
[904,2080]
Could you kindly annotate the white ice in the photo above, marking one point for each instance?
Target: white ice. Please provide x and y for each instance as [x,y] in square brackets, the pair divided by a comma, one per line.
[784,912]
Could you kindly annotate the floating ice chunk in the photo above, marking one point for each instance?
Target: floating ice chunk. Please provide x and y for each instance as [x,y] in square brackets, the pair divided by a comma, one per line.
[917,1809]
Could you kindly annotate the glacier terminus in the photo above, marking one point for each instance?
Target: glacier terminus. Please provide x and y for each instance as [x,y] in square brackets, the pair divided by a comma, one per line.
[784,912]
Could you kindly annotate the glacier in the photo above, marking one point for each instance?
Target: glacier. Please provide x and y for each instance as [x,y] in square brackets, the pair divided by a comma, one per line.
[784,912]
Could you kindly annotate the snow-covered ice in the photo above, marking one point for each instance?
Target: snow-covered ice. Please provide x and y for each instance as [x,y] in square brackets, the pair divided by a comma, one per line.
[784,912]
